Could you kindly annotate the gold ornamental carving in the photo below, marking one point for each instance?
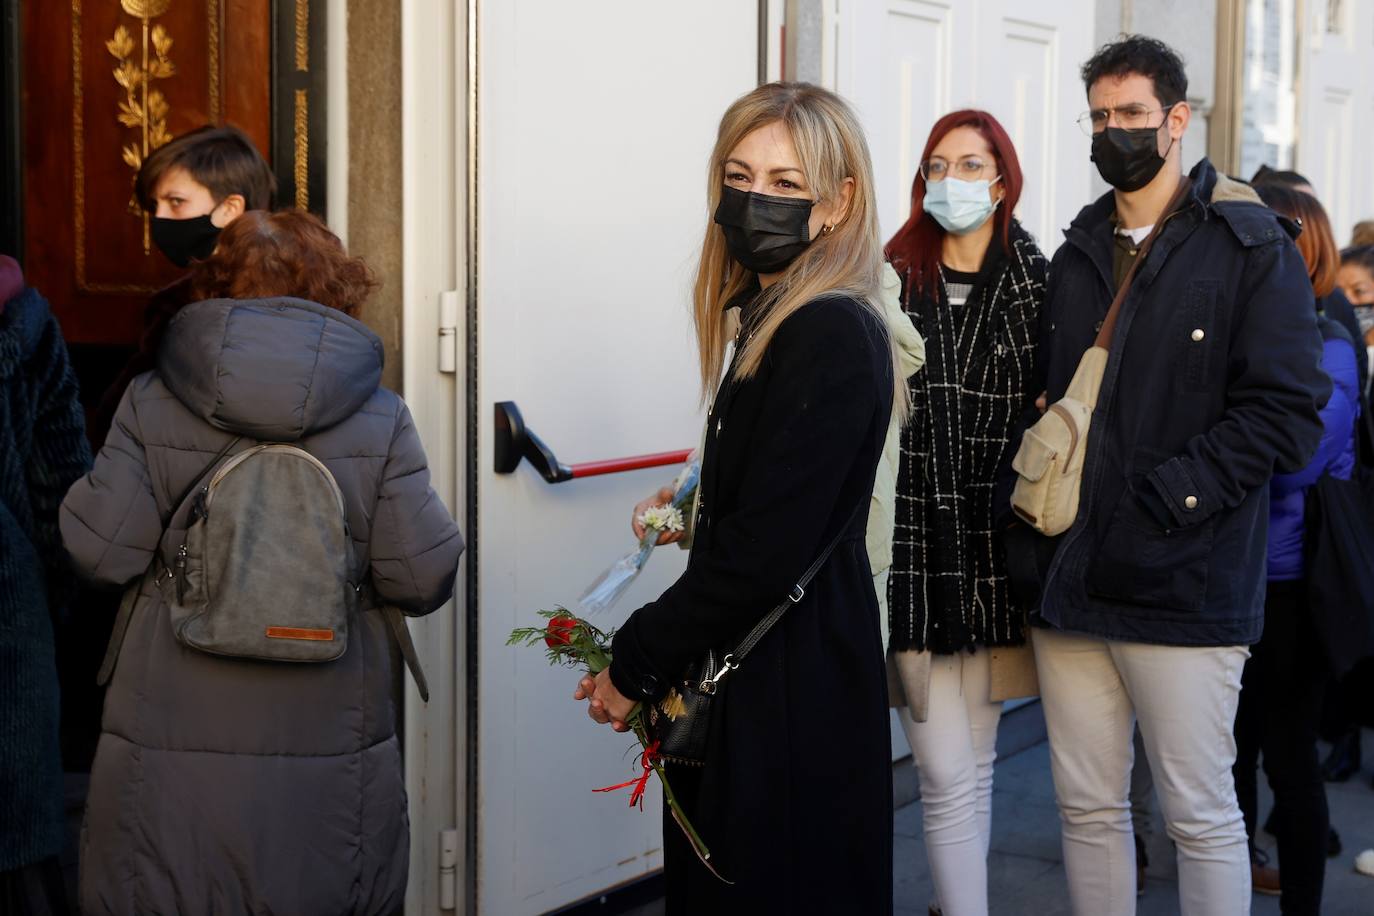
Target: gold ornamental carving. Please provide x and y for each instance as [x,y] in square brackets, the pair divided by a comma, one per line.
[143,108]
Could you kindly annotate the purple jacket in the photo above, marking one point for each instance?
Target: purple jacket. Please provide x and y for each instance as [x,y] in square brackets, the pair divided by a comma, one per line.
[1335,456]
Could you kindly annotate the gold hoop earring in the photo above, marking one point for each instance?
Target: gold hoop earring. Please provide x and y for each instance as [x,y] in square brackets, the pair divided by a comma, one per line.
[826,230]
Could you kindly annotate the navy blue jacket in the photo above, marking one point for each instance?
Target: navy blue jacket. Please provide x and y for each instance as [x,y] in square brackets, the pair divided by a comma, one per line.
[1214,382]
[43,451]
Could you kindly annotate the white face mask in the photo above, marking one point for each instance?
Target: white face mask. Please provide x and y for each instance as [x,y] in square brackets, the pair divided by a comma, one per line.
[1370,351]
[960,206]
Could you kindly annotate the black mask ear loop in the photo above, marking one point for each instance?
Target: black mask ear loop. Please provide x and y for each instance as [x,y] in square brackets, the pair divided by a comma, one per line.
[1165,123]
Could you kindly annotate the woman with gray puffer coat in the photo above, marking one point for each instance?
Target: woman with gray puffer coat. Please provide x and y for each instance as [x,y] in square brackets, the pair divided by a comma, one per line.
[225,785]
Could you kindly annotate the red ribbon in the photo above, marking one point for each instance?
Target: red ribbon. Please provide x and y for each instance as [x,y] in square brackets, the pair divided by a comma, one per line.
[646,760]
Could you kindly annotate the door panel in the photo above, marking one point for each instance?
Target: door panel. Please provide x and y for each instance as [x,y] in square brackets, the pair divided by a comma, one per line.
[86,247]
[905,63]
[596,121]
[1336,86]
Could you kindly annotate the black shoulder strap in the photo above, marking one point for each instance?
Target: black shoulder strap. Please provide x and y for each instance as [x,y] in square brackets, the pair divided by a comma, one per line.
[130,599]
[1108,328]
[793,597]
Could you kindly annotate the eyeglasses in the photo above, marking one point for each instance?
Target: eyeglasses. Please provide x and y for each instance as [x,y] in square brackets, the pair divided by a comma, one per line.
[1128,117]
[969,168]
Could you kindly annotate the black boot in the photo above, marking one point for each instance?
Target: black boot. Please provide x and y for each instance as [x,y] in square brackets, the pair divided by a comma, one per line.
[1344,759]
[1142,862]
[1333,839]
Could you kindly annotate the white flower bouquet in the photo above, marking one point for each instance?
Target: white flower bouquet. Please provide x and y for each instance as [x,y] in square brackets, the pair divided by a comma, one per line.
[608,588]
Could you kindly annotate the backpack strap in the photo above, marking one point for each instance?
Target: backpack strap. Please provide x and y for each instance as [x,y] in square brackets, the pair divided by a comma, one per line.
[397,622]
[121,623]
[131,594]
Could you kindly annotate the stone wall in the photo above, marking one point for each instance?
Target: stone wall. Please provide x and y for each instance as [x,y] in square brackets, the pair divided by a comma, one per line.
[374,179]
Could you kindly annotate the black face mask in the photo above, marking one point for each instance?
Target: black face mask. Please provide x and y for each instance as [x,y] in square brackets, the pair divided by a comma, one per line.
[764,233]
[182,240]
[1128,160]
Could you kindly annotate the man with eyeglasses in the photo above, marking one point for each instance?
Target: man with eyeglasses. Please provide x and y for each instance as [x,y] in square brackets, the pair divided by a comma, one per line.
[1149,602]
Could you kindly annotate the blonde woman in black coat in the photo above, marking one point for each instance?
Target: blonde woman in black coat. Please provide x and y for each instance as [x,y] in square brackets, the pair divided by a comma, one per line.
[795,798]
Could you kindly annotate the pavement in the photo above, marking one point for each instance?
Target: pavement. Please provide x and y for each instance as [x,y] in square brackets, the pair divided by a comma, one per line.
[1025,868]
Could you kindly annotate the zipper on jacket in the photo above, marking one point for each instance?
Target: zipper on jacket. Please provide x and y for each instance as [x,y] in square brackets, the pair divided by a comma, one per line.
[179,572]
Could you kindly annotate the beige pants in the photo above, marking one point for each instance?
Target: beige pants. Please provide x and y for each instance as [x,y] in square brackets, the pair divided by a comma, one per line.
[1093,691]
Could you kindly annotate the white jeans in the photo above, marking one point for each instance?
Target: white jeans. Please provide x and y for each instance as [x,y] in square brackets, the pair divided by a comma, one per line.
[954,750]
[1093,690]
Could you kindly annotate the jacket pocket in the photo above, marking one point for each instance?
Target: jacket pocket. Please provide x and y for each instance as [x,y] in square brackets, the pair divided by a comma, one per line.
[1195,332]
[1138,562]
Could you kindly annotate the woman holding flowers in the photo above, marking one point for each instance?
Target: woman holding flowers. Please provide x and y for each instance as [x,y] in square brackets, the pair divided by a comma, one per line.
[974,284]
[795,797]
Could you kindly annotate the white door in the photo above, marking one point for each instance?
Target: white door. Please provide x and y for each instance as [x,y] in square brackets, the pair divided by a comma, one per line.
[906,63]
[1337,110]
[596,121]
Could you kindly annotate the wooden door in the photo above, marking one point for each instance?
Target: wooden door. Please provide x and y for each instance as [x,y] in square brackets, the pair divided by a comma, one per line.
[89,118]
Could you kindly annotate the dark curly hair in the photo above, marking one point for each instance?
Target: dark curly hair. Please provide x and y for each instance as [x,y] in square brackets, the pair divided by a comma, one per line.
[1143,55]
[287,253]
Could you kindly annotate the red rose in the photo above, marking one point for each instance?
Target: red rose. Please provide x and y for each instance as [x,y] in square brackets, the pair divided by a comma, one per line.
[560,631]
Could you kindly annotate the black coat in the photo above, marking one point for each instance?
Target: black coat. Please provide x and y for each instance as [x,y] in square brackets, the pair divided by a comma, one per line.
[796,798]
[1214,382]
[949,589]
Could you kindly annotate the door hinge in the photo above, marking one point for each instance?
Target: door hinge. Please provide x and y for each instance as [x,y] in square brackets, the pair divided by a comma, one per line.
[448,869]
[449,303]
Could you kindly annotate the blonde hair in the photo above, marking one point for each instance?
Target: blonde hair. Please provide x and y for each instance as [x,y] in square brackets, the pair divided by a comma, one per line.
[847,260]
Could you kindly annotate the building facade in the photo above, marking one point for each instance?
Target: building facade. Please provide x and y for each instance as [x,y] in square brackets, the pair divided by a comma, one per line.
[526,176]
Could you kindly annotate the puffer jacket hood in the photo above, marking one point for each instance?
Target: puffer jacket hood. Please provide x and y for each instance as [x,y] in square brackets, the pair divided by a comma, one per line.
[911,348]
[236,364]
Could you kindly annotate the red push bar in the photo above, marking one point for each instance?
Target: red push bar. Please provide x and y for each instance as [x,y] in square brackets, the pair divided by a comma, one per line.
[514,442]
[637,463]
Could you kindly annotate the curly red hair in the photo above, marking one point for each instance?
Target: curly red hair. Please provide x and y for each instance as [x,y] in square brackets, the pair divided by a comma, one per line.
[286,253]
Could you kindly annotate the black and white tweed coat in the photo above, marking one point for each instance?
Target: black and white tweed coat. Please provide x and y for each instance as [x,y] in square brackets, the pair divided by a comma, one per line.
[948,589]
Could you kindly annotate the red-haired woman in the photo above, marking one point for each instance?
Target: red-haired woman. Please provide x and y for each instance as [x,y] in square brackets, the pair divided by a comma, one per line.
[222,784]
[974,285]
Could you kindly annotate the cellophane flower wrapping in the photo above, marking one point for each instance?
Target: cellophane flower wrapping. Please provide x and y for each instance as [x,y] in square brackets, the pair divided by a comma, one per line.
[612,584]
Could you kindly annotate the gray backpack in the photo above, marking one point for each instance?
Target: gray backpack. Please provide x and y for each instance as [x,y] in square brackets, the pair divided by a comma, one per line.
[265,568]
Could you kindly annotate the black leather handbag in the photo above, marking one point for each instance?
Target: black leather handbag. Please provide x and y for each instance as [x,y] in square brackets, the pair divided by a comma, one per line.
[1340,566]
[681,722]
[1339,543]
